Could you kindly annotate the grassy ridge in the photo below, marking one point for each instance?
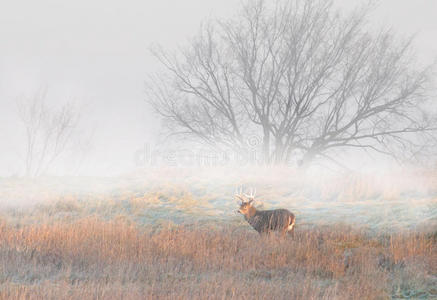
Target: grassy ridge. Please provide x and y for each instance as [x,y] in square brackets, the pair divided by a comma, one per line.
[384,201]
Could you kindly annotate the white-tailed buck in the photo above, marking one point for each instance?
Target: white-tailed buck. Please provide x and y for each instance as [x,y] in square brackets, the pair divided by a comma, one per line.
[265,221]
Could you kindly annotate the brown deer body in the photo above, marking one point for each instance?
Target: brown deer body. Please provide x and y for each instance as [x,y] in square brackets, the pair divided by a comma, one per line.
[266,221]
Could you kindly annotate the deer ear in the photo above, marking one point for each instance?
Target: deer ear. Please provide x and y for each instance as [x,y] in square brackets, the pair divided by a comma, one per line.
[250,201]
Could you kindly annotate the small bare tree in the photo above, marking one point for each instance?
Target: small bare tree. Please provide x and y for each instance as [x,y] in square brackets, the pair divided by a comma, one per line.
[302,76]
[48,131]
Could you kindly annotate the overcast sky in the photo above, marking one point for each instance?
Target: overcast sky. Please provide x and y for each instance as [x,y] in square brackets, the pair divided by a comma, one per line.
[97,52]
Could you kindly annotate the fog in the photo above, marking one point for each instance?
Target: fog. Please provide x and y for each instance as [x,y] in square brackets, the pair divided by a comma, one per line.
[97,57]
[293,144]
[97,54]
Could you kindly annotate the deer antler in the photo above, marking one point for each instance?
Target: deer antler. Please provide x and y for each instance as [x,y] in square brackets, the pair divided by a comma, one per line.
[239,194]
[245,197]
[251,196]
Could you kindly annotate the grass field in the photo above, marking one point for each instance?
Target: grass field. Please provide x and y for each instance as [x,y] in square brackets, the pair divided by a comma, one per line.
[139,237]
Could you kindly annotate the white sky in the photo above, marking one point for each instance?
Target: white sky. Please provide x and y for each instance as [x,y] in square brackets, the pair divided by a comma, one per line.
[97,52]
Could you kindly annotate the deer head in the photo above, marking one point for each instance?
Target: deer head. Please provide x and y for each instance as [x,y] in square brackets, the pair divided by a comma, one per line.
[246,202]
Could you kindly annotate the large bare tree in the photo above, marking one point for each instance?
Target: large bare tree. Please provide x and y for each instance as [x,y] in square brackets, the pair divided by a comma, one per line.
[305,78]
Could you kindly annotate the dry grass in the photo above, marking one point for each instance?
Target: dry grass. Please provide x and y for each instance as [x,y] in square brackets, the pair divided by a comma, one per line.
[91,258]
[124,242]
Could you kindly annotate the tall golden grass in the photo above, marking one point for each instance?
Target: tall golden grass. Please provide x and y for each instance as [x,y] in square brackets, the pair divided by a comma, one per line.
[92,258]
[121,243]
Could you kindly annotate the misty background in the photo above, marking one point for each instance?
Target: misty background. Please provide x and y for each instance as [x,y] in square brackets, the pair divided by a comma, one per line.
[96,54]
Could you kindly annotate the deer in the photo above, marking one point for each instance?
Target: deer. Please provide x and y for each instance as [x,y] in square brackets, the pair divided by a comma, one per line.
[265,221]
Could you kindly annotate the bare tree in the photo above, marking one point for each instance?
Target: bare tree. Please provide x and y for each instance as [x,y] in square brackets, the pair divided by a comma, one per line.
[304,77]
[49,131]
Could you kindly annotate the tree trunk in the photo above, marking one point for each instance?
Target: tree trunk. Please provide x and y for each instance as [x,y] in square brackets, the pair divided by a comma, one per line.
[266,146]
[279,152]
[308,158]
